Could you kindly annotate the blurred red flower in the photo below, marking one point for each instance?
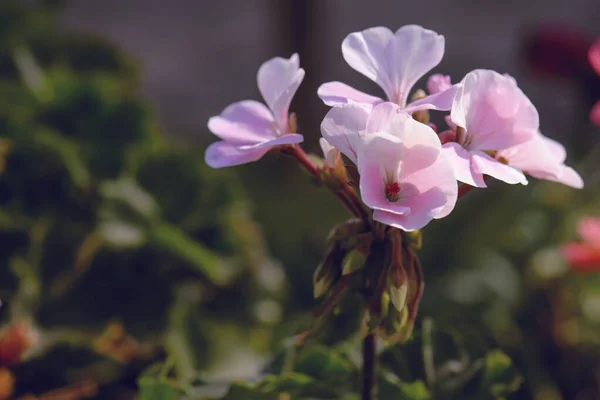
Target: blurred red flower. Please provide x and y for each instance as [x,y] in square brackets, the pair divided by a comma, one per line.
[584,256]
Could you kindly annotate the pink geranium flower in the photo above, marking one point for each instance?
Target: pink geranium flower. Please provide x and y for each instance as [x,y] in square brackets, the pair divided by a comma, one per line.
[594,58]
[542,158]
[584,256]
[404,178]
[395,61]
[249,129]
[490,113]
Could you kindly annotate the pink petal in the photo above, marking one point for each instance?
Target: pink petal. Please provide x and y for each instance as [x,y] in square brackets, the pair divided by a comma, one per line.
[484,164]
[594,55]
[343,127]
[365,52]
[460,161]
[338,93]
[244,122]
[441,101]
[384,150]
[537,155]
[427,205]
[278,79]
[582,257]
[556,149]
[595,114]
[420,144]
[228,154]
[588,229]
[409,222]
[394,61]
[372,190]
[542,158]
[434,189]
[438,83]
[413,52]
[494,111]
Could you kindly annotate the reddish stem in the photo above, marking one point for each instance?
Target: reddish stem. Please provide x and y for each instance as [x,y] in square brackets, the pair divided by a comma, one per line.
[347,195]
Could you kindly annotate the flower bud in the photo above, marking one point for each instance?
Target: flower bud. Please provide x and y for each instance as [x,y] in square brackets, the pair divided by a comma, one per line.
[421,115]
[398,295]
[328,272]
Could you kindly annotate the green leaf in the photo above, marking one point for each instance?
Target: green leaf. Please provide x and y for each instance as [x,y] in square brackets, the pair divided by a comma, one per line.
[390,387]
[154,386]
[499,377]
[325,365]
[178,243]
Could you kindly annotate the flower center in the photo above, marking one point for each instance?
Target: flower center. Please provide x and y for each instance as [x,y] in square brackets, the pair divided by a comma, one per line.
[392,191]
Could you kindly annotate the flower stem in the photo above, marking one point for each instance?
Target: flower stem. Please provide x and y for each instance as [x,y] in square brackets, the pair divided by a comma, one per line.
[346,194]
[369,388]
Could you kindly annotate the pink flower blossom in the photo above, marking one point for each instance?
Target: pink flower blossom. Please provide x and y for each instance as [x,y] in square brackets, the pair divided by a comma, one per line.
[594,58]
[490,114]
[438,83]
[404,178]
[395,61]
[542,158]
[249,129]
[584,256]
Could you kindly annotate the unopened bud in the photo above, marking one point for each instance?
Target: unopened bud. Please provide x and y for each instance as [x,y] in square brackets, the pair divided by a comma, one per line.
[347,229]
[398,295]
[421,115]
[415,238]
[328,272]
[353,261]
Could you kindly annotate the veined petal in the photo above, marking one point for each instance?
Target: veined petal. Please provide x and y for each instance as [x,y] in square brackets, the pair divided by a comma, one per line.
[394,61]
[365,52]
[278,79]
[433,189]
[227,154]
[343,128]
[246,122]
[460,160]
[441,101]
[487,165]
[372,190]
[494,111]
[537,155]
[412,53]
[338,93]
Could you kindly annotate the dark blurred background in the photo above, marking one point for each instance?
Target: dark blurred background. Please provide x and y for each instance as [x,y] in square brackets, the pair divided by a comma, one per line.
[120,249]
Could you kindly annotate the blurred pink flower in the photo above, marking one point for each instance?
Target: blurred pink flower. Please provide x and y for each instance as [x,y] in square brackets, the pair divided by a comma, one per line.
[249,129]
[594,58]
[584,256]
[404,179]
[490,113]
[395,61]
[438,83]
[542,158]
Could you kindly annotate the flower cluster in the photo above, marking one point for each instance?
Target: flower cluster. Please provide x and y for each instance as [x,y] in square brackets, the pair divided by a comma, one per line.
[408,172]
